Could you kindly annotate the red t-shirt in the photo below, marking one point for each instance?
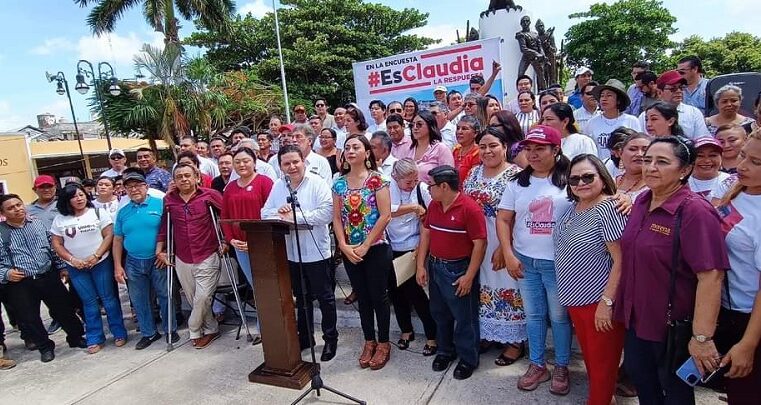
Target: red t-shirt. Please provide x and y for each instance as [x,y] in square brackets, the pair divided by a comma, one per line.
[464,162]
[244,203]
[453,232]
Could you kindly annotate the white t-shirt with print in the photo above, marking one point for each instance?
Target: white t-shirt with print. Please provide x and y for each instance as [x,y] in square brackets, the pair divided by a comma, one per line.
[741,222]
[577,144]
[599,129]
[705,187]
[537,209]
[721,188]
[82,235]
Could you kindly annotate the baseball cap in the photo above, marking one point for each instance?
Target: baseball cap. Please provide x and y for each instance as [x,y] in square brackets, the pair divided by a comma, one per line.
[583,70]
[44,180]
[542,135]
[669,78]
[440,88]
[299,108]
[286,128]
[707,141]
[133,176]
[116,152]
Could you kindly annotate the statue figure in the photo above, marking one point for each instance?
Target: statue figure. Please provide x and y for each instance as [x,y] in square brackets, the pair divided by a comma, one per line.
[547,40]
[532,51]
[495,5]
[472,35]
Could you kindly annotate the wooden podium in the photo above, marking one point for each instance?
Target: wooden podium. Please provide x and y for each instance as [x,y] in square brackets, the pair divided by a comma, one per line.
[283,366]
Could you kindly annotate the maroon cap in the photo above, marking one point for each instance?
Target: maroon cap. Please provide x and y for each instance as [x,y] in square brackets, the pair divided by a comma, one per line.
[708,141]
[286,128]
[542,135]
[44,180]
[669,78]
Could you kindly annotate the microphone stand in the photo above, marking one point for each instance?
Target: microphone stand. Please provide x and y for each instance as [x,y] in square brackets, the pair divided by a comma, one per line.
[316,383]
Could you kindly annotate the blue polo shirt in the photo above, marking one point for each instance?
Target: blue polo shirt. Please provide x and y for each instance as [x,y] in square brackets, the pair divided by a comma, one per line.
[139,224]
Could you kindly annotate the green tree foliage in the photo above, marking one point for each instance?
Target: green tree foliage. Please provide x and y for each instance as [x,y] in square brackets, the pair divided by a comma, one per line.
[614,36]
[320,40]
[160,14]
[735,52]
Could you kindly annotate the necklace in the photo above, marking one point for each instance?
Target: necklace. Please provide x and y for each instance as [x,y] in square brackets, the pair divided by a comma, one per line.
[635,186]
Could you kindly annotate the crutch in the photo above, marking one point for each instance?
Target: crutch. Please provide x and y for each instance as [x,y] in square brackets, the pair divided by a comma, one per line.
[169,280]
[227,263]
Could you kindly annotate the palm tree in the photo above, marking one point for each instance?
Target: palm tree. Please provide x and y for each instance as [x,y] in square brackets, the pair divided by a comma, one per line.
[160,14]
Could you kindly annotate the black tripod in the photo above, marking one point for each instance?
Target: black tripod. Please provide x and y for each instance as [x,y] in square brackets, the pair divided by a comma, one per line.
[316,379]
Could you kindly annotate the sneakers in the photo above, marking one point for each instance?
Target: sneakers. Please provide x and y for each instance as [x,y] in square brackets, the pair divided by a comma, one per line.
[560,384]
[147,341]
[534,376]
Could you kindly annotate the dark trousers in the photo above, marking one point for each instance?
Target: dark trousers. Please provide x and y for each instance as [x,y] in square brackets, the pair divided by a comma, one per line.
[407,296]
[25,297]
[655,385]
[318,277]
[457,328]
[732,325]
[369,279]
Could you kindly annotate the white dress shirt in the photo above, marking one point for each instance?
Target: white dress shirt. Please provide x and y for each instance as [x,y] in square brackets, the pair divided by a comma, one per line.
[208,167]
[404,231]
[262,167]
[316,209]
[448,134]
[377,127]
[315,164]
[387,166]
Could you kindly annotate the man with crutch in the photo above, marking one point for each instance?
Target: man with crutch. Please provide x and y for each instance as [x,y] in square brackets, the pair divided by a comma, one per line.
[196,257]
[136,230]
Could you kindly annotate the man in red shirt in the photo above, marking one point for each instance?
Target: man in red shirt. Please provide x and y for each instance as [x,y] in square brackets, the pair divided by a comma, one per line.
[197,260]
[453,242]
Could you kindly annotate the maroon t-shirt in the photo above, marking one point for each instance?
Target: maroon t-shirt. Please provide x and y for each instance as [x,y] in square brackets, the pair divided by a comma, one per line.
[453,231]
[646,244]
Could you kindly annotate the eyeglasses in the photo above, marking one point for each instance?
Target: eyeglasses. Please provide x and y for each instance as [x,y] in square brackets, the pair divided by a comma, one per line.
[134,186]
[395,110]
[586,178]
[116,157]
[470,104]
[319,105]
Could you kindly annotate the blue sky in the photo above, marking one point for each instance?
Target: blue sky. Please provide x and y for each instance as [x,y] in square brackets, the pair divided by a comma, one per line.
[51,35]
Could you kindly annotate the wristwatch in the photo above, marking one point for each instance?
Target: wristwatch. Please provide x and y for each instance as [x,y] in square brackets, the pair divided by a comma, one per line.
[702,338]
[608,301]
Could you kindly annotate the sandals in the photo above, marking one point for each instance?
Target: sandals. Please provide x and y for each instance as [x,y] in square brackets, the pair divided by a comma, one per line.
[351,298]
[404,344]
[119,342]
[429,350]
[381,356]
[503,360]
[92,349]
[367,353]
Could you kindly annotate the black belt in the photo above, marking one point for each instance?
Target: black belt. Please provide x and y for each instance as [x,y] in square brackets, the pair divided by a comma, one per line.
[440,260]
[39,275]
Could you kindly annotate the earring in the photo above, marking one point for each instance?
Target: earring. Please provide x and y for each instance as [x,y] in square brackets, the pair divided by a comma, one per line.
[368,164]
[346,165]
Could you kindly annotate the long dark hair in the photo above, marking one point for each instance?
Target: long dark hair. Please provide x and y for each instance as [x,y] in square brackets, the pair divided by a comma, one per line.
[357,116]
[417,107]
[66,194]
[509,125]
[669,111]
[563,111]
[616,141]
[559,177]
[434,135]
[498,133]
[362,138]
[608,184]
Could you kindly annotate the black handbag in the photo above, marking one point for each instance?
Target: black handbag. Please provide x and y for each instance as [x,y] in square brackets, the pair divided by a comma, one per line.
[679,332]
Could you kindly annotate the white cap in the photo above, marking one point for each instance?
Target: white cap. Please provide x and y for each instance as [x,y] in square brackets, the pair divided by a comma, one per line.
[116,152]
[440,88]
[582,70]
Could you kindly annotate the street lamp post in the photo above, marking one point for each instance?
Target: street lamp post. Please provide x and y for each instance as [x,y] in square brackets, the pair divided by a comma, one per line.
[62,87]
[85,70]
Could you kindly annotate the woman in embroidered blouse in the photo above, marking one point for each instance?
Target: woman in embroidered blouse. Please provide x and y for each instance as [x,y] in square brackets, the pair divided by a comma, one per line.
[465,153]
[633,149]
[361,212]
[427,149]
[501,315]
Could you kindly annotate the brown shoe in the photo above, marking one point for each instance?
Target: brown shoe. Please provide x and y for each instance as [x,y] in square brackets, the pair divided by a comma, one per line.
[206,340]
[560,384]
[367,353]
[534,376]
[381,356]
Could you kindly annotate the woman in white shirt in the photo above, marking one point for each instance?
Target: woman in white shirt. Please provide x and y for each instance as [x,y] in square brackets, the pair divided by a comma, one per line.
[706,175]
[81,236]
[527,116]
[409,199]
[613,101]
[560,116]
[105,199]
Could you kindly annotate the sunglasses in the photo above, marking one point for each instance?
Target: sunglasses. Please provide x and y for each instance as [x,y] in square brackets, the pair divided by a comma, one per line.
[395,110]
[116,157]
[319,105]
[586,178]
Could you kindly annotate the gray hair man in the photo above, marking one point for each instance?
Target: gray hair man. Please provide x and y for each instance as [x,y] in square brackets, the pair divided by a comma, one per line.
[303,137]
[447,129]
[381,144]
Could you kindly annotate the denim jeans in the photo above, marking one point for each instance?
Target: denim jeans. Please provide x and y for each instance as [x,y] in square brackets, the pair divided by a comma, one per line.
[245,265]
[539,289]
[457,329]
[142,275]
[92,285]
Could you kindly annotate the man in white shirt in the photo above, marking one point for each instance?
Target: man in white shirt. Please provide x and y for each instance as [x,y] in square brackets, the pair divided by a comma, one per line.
[303,137]
[588,108]
[217,146]
[208,167]
[261,167]
[315,207]
[523,83]
[118,161]
[380,143]
[446,127]
[378,116]
[671,90]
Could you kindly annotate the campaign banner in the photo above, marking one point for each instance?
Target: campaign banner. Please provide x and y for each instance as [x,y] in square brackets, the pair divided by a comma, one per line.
[417,74]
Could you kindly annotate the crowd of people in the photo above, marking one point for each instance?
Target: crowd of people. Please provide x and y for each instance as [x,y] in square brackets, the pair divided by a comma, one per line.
[619,215]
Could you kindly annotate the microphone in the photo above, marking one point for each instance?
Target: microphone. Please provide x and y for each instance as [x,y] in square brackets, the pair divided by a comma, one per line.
[292,193]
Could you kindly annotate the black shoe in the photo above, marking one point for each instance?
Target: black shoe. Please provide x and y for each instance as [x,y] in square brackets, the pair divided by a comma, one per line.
[53,327]
[329,350]
[31,346]
[404,344]
[81,343]
[175,338]
[463,371]
[47,356]
[180,317]
[146,341]
[441,362]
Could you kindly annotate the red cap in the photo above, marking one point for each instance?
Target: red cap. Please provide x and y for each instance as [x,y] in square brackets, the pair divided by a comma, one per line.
[708,141]
[286,128]
[669,78]
[43,180]
[542,135]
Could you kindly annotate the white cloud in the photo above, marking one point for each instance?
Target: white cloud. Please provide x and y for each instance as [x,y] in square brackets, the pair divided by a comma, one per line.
[114,47]
[52,45]
[447,33]
[257,9]
[9,119]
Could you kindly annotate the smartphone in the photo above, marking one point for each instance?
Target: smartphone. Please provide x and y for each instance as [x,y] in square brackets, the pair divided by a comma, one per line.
[689,373]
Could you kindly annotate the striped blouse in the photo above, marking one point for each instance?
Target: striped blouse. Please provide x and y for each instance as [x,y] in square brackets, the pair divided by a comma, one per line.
[582,260]
[527,120]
